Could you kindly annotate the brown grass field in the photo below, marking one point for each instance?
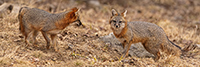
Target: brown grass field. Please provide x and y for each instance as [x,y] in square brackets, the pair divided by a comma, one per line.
[80,46]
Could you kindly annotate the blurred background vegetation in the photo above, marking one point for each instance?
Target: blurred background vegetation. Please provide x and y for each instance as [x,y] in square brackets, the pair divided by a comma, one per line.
[180,19]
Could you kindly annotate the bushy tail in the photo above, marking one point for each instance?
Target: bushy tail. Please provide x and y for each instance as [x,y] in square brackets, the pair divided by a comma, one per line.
[189,48]
[185,49]
[20,16]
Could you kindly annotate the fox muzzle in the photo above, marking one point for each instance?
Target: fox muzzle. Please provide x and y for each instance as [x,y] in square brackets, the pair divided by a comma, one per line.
[116,25]
[79,22]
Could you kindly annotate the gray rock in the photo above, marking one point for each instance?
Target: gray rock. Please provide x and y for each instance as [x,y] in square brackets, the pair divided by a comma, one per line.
[136,49]
[5,9]
[198,46]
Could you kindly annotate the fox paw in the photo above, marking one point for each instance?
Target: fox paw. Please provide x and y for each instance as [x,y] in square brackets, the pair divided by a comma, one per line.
[47,47]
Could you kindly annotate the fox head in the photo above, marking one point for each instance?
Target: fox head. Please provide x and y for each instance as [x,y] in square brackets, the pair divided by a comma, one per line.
[73,16]
[118,21]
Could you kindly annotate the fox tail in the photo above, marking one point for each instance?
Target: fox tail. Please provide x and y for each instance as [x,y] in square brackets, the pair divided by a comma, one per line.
[185,49]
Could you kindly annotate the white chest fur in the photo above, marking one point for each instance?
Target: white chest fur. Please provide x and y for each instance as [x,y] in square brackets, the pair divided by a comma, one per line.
[127,37]
[118,31]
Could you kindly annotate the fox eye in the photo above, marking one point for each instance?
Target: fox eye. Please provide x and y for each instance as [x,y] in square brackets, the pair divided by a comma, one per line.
[114,21]
[120,21]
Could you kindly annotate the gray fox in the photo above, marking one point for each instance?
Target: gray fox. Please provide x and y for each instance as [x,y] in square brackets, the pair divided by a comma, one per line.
[150,35]
[34,20]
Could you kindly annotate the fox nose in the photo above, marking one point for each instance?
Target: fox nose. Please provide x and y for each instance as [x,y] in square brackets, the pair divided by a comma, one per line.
[117,26]
[79,23]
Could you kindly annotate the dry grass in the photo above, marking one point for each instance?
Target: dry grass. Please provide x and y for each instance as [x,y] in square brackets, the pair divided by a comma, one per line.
[80,46]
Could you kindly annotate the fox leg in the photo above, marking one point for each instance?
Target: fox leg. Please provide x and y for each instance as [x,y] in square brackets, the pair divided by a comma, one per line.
[153,48]
[47,39]
[126,50]
[26,34]
[26,39]
[53,38]
[157,56]
[124,45]
[35,33]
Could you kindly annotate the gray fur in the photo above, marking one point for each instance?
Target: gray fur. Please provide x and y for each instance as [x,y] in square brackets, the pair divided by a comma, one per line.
[37,17]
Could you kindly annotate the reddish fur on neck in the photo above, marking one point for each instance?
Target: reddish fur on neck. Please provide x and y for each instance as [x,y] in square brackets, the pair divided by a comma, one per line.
[70,17]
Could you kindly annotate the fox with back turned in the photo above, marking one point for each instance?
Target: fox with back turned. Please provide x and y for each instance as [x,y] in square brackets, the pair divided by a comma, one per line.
[152,37]
[34,20]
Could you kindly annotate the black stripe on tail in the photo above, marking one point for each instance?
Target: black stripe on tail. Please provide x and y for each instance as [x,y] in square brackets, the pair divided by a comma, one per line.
[174,44]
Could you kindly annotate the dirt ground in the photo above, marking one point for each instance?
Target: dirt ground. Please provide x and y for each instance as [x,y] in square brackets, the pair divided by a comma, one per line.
[81,46]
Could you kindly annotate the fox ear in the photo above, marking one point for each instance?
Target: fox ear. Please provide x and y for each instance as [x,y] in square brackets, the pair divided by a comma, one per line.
[76,13]
[73,13]
[114,12]
[124,13]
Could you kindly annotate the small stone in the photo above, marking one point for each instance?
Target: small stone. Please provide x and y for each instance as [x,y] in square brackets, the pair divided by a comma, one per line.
[36,59]
[54,59]
[96,34]
[70,46]
[86,35]
[21,37]
[125,61]
[17,40]
[198,45]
